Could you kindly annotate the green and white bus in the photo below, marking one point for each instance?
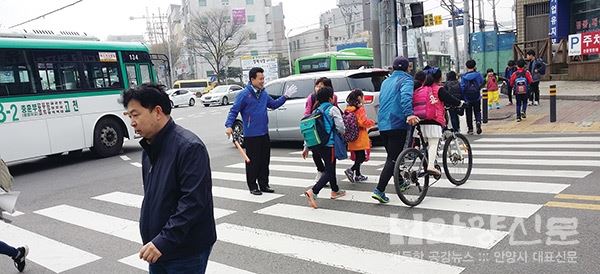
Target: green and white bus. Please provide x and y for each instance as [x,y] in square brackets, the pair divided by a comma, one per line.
[60,96]
[346,59]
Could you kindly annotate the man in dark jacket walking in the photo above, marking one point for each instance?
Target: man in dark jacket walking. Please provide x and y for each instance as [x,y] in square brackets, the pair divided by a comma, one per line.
[177,221]
[537,68]
[252,103]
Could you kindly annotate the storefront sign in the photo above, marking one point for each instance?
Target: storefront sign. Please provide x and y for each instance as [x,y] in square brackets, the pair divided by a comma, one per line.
[587,43]
[239,16]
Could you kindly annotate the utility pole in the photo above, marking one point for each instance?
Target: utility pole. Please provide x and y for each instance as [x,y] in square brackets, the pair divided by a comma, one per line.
[375,35]
[496,29]
[467,31]
[481,19]
[453,10]
[168,41]
[404,23]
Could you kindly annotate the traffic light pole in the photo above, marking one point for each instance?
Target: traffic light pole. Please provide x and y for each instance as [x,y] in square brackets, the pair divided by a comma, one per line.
[404,24]
[375,35]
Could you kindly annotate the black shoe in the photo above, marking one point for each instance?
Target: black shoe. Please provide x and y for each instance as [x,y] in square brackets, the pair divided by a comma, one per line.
[524,115]
[20,258]
[470,131]
[267,190]
[478,128]
[256,192]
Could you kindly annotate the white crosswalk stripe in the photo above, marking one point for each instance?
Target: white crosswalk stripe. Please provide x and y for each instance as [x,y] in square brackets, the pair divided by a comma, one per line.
[475,171]
[309,161]
[51,254]
[565,139]
[327,253]
[134,200]
[519,210]
[459,235]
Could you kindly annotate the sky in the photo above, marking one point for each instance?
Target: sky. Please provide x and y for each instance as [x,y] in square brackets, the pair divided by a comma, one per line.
[101,18]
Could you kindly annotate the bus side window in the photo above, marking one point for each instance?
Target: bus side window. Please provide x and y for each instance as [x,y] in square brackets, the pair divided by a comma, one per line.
[131,76]
[14,73]
[145,73]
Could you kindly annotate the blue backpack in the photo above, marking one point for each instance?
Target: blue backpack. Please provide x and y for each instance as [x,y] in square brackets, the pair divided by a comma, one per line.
[472,91]
[521,83]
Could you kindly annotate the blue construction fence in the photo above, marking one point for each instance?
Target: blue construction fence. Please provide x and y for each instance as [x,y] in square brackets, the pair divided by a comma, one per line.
[491,50]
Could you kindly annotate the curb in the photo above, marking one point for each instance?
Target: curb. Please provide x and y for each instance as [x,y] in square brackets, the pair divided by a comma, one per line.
[500,117]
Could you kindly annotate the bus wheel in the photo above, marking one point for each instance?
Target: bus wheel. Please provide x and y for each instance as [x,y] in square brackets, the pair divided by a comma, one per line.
[108,138]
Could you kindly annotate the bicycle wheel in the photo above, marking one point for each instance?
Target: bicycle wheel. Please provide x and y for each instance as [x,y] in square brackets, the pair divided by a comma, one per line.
[457,159]
[411,167]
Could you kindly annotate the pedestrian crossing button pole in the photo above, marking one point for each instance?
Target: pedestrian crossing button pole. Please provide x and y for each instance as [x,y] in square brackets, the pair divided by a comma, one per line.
[484,106]
[552,103]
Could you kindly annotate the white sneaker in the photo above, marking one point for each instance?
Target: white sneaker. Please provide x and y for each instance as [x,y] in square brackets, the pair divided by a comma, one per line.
[536,103]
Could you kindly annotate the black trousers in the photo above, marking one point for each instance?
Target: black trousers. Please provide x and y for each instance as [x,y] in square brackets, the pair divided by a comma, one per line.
[328,156]
[393,140]
[534,92]
[258,150]
[474,109]
[360,157]
[318,162]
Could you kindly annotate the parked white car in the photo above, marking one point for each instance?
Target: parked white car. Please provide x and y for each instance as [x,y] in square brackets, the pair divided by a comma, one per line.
[284,123]
[181,97]
[221,95]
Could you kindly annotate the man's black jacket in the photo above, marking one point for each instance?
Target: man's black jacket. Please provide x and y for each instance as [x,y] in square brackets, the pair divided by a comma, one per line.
[177,211]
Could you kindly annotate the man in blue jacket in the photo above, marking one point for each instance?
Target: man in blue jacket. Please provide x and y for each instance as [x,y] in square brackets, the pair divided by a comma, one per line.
[177,222]
[395,115]
[253,102]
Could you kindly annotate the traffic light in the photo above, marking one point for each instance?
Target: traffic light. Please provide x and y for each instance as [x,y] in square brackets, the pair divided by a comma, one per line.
[417,17]
[429,20]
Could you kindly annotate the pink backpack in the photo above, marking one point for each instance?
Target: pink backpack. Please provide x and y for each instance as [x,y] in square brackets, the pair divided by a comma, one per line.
[427,105]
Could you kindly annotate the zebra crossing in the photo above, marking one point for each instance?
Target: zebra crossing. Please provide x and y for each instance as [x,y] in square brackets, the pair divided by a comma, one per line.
[280,225]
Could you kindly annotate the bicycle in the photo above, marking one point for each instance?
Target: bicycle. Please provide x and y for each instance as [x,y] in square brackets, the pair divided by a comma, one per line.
[411,165]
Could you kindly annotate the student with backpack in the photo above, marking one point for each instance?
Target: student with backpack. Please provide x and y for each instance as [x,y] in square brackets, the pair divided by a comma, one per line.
[508,71]
[537,68]
[470,85]
[310,106]
[491,84]
[429,104]
[453,87]
[328,122]
[520,81]
[357,144]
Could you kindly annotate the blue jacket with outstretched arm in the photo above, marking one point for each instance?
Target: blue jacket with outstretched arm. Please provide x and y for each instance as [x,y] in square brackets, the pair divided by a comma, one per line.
[253,108]
[395,101]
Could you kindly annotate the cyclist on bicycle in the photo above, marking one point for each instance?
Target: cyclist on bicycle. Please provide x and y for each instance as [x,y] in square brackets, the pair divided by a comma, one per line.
[429,104]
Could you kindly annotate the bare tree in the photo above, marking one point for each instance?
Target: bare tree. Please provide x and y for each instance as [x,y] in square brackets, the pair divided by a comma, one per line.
[213,36]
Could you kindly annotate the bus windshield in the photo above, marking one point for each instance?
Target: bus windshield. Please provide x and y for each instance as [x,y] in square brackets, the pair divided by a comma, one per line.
[312,65]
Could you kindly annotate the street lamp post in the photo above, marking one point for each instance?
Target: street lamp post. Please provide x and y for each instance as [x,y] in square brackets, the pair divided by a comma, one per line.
[287,38]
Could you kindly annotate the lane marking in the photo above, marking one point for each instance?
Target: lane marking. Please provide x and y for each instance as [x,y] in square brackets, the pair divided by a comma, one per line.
[577,197]
[573,205]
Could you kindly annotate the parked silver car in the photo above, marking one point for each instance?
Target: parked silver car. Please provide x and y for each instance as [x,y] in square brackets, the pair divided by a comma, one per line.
[221,95]
[284,122]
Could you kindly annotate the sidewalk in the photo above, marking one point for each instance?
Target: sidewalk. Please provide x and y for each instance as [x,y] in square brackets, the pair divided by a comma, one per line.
[572,90]
[572,116]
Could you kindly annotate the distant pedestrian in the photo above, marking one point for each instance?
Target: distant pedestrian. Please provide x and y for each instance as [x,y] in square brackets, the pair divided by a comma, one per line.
[508,71]
[493,90]
[537,68]
[452,86]
[395,115]
[177,221]
[362,144]
[17,254]
[309,107]
[252,103]
[470,85]
[520,81]
[334,124]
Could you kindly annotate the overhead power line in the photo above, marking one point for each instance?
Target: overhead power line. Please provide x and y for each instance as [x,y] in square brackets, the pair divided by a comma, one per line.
[46,14]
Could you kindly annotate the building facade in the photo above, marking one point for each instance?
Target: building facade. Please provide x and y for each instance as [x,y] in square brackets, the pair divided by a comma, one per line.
[264,21]
[557,19]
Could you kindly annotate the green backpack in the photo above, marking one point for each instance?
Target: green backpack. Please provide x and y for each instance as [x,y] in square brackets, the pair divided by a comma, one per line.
[313,129]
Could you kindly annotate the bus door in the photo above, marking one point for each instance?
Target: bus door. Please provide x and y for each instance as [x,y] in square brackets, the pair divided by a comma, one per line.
[138,68]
